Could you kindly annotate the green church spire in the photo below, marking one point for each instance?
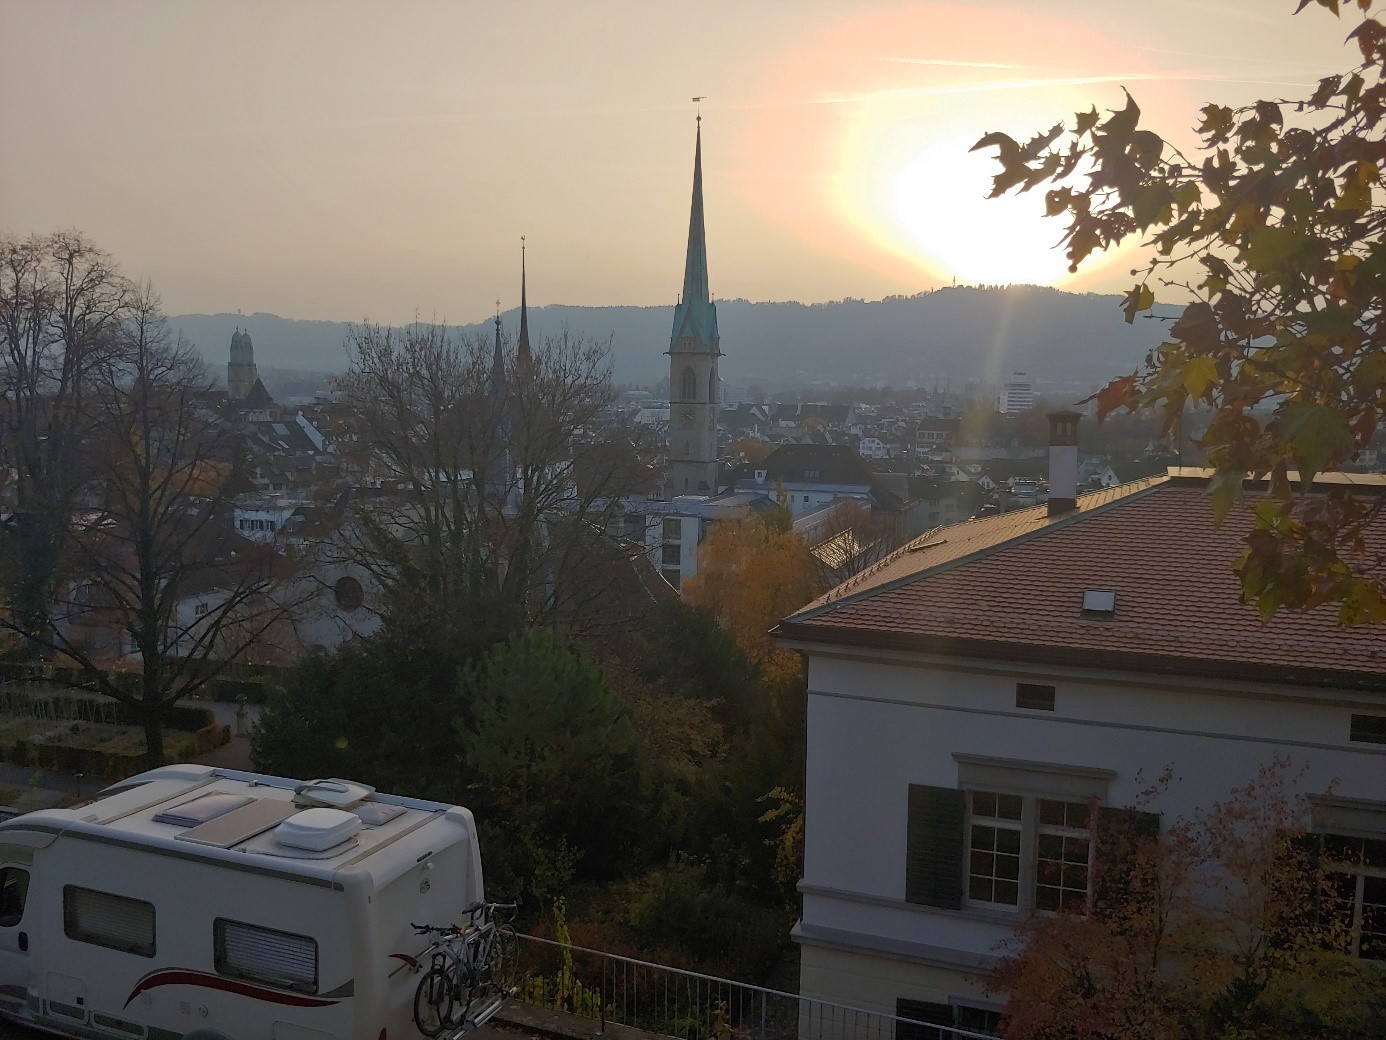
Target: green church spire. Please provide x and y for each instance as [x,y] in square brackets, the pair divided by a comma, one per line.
[695,305]
[695,268]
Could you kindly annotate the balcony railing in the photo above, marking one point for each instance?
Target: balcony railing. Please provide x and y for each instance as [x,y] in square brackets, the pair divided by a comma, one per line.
[656,998]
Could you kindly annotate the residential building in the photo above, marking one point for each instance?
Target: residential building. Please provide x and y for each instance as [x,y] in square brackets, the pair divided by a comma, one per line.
[974,693]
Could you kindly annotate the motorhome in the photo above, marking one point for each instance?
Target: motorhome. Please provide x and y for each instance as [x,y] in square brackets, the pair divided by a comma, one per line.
[211,904]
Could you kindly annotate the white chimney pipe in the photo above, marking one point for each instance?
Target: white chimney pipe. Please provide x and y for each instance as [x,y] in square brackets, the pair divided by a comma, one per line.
[1063,462]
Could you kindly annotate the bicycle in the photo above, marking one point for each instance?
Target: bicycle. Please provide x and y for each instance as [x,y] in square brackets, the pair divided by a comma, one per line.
[468,964]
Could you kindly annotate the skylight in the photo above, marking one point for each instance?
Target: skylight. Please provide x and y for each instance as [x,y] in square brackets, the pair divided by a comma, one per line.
[1099,602]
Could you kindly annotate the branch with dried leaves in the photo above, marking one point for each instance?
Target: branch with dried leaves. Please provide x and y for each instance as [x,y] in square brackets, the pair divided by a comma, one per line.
[1274,236]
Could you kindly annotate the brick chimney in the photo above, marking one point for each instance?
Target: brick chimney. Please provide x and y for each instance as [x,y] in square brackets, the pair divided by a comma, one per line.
[1063,462]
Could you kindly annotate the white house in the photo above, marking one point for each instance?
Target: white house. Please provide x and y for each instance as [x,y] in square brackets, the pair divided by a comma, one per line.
[873,448]
[969,695]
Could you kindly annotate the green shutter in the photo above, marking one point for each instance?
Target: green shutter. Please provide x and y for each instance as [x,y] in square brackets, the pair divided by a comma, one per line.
[934,847]
[1126,859]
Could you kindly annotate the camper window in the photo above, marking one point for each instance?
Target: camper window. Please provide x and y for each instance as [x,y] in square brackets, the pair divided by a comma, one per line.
[14,889]
[247,951]
[104,919]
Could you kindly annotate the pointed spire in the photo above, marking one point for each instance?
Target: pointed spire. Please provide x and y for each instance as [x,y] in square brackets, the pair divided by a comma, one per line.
[498,359]
[695,268]
[522,352]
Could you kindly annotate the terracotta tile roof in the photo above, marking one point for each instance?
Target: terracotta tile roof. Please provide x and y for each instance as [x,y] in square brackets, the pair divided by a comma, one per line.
[1011,586]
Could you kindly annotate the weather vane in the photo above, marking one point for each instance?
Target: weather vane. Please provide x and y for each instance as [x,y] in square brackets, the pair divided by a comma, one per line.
[699,102]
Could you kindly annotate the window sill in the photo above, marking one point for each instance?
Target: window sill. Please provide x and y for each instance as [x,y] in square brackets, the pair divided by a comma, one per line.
[970,913]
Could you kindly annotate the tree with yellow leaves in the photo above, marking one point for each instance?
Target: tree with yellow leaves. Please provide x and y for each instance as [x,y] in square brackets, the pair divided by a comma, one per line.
[750,574]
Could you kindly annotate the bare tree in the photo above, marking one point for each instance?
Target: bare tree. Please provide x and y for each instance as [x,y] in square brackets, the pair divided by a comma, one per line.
[501,476]
[156,558]
[61,302]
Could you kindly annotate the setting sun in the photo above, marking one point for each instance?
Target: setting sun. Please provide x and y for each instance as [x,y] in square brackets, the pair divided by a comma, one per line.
[871,124]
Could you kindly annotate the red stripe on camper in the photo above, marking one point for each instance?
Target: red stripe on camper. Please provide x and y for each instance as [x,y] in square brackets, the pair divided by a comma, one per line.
[188,977]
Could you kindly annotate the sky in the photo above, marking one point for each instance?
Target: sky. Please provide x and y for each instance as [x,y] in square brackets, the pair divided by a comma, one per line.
[347,160]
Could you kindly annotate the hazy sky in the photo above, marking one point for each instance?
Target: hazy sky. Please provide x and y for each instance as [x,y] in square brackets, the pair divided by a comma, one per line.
[343,160]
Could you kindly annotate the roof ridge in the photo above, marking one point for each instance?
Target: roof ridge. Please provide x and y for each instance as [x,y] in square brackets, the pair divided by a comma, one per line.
[826,603]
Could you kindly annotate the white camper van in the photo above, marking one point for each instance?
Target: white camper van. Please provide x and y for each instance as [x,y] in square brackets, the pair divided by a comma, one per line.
[211,904]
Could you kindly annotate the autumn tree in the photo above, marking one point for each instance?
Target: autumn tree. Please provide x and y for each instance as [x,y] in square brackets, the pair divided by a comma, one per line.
[1270,236]
[61,302]
[154,558]
[751,574]
[1217,928]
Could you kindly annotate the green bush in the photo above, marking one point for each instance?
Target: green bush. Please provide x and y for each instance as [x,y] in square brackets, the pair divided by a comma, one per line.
[679,909]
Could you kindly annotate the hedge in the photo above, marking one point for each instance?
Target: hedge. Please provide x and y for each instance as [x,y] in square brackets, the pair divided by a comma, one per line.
[106,764]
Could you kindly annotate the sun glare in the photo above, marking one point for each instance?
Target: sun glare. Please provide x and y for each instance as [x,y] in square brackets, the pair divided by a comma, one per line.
[941,213]
[868,125]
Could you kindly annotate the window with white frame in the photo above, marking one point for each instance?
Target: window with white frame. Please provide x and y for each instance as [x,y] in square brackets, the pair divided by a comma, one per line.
[248,951]
[1027,852]
[995,823]
[1357,875]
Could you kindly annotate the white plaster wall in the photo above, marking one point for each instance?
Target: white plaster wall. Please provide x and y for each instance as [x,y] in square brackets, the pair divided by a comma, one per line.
[874,729]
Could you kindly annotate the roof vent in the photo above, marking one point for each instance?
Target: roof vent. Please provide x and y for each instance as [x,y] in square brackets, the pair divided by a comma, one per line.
[1099,602]
[317,829]
[202,808]
[332,793]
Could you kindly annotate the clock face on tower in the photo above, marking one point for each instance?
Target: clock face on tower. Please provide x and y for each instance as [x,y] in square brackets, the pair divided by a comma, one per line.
[687,415]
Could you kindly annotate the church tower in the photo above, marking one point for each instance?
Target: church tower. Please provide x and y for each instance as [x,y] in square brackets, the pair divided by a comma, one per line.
[693,354]
[240,372]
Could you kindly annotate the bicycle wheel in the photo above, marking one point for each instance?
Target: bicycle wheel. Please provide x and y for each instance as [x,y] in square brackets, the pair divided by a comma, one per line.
[504,957]
[433,1002]
[469,994]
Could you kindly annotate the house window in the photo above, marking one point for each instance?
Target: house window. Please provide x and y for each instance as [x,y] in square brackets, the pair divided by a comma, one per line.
[1368,729]
[929,1020]
[1063,856]
[248,951]
[1034,696]
[348,593]
[1357,874]
[1027,852]
[673,556]
[103,919]
[673,577]
[200,609]
[673,529]
[995,823]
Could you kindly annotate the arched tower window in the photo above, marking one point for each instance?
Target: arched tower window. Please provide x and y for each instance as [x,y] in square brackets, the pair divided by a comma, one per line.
[712,388]
[690,385]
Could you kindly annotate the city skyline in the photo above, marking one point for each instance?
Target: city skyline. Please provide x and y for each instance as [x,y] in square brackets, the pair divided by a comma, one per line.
[346,161]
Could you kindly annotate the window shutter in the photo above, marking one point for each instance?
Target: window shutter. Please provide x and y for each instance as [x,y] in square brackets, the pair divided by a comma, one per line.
[934,846]
[108,920]
[1126,862]
[266,955]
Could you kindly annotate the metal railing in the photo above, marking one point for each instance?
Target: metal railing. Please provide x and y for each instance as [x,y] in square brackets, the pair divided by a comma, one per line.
[656,998]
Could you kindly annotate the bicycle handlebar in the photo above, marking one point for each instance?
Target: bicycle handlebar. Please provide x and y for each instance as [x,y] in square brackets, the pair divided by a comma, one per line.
[487,909]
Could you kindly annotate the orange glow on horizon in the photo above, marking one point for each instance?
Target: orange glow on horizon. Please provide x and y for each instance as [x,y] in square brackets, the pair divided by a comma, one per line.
[867,124]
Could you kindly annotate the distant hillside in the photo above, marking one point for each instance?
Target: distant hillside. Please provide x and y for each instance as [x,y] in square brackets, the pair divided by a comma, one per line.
[956,334]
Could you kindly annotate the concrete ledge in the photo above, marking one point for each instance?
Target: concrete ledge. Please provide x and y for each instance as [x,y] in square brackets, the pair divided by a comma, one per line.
[560,1025]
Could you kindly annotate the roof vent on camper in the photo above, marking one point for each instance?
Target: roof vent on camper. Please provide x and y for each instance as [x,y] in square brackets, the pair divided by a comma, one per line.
[317,829]
[199,810]
[332,793]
